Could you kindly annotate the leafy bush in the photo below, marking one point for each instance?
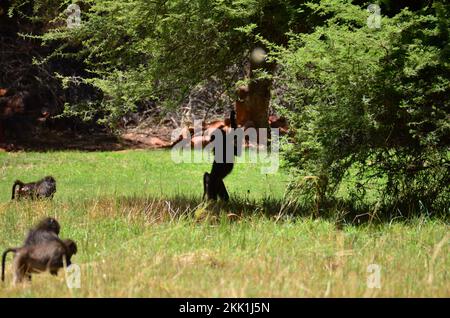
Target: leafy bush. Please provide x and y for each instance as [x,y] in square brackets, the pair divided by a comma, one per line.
[372,103]
[139,50]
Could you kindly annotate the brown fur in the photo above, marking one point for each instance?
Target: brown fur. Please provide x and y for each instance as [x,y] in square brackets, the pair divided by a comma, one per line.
[42,250]
[44,188]
[48,256]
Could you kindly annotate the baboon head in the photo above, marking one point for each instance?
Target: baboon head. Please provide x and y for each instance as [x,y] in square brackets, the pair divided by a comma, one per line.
[50,179]
[50,225]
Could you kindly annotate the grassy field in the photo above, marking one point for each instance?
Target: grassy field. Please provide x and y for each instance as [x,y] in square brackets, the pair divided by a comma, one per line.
[143,231]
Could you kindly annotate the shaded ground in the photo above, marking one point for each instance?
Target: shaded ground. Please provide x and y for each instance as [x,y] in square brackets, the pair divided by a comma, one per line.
[85,141]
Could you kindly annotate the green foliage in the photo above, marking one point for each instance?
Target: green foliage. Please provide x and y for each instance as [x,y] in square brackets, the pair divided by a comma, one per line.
[137,50]
[375,100]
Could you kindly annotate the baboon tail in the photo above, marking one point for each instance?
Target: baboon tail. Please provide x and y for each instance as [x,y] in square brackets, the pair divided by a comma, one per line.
[4,260]
[16,183]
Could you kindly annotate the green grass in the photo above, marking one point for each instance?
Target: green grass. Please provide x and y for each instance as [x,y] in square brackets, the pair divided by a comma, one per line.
[142,231]
[82,175]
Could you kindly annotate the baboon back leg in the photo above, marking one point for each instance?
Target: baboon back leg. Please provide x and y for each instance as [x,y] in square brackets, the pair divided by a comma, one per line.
[212,192]
[211,188]
[20,273]
[214,188]
[222,191]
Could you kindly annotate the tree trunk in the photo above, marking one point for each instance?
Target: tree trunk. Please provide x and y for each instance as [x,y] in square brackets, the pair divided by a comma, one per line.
[252,107]
[2,132]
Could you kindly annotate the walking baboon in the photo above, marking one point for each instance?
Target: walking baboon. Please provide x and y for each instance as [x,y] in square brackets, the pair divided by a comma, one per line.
[223,164]
[44,188]
[42,250]
[46,256]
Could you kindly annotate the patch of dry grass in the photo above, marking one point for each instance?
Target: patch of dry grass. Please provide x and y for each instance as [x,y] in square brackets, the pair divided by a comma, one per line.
[150,248]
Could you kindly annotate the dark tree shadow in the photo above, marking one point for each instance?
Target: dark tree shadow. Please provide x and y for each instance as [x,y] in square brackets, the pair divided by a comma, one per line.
[66,140]
[276,209]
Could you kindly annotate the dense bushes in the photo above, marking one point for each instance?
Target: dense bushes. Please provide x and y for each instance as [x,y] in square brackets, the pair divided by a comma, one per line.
[138,50]
[371,105]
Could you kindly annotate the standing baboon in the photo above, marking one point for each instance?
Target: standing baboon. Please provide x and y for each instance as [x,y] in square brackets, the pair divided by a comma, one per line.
[44,188]
[223,164]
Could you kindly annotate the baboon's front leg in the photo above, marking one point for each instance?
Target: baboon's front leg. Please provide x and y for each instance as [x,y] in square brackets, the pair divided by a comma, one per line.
[206,180]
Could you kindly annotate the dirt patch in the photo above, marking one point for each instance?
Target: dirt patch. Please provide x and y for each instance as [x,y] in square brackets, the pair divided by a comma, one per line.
[54,141]
[149,138]
[156,137]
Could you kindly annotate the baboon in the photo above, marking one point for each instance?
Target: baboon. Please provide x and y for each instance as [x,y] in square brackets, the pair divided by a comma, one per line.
[37,258]
[42,250]
[44,188]
[46,230]
[213,185]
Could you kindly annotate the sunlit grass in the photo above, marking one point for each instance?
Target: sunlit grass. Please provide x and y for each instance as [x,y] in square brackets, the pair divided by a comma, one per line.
[83,175]
[142,231]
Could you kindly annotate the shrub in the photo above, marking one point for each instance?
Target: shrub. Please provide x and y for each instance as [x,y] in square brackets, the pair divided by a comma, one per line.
[372,102]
